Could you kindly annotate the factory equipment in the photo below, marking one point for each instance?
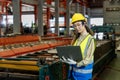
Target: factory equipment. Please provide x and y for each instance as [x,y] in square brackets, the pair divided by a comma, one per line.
[23,57]
[33,61]
[103,32]
[19,45]
[38,66]
[105,50]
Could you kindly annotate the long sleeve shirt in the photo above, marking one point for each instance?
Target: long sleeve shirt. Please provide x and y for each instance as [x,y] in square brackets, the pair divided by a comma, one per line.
[87,59]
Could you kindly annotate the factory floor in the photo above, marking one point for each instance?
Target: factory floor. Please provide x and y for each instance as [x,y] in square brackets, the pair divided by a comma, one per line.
[112,70]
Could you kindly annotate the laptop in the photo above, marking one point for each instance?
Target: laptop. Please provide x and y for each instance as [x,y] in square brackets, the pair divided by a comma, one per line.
[73,52]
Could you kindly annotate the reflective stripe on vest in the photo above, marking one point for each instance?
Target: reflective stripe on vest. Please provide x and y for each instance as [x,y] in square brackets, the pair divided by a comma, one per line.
[70,67]
[87,46]
[82,70]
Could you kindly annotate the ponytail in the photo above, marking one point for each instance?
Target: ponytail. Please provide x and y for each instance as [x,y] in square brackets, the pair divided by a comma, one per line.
[89,30]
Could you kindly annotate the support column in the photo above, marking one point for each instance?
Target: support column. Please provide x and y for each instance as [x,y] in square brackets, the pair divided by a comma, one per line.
[35,13]
[48,14]
[84,10]
[68,17]
[57,17]
[88,20]
[1,18]
[77,7]
[16,16]
[40,17]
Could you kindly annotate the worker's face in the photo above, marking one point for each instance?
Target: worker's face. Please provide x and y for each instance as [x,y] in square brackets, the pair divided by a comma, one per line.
[79,26]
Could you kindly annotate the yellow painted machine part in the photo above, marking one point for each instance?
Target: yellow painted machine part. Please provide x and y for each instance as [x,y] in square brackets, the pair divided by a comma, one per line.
[21,65]
[18,62]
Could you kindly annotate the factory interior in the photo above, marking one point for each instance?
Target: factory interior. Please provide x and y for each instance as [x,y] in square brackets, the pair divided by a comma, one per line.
[30,31]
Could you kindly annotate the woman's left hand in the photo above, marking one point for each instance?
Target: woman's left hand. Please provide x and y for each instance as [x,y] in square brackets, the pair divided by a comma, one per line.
[71,61]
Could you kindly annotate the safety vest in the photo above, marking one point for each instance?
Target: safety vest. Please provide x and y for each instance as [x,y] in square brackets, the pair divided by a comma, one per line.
[84,72]
[84,45]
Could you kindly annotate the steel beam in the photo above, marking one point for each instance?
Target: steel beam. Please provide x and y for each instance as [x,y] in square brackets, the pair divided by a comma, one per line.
[16,16]
[68,2]
[57,17]
[40,17]
[31,2]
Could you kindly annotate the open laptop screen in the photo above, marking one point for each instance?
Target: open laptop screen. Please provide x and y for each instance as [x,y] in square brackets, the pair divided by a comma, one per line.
[73,52]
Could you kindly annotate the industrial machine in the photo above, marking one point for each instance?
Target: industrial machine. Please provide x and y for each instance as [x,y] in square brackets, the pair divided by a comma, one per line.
[25,57]
[38,66]
[105,50]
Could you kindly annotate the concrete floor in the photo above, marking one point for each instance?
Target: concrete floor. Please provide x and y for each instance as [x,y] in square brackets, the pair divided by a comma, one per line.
[112,71]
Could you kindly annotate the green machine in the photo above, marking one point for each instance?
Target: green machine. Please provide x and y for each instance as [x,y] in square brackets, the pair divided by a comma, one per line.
[103,28]
[108,31]
[55,71]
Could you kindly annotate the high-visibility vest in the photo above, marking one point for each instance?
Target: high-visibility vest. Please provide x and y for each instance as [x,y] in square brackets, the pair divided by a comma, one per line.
[84,45]
[84,72]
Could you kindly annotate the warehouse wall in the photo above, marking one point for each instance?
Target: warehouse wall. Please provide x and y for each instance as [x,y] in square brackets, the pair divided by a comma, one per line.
[112,14]
[96,12]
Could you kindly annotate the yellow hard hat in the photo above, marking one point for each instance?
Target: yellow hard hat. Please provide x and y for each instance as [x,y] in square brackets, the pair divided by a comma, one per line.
[77,17]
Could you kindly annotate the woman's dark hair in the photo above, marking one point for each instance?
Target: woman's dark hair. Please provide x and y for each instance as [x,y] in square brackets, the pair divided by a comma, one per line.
[87,28]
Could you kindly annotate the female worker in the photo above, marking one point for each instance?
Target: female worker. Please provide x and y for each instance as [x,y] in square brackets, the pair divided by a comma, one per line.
[84,38]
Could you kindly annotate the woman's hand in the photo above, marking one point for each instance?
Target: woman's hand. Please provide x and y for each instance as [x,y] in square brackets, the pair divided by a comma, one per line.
[71,61]
[79,64]
[68,60]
